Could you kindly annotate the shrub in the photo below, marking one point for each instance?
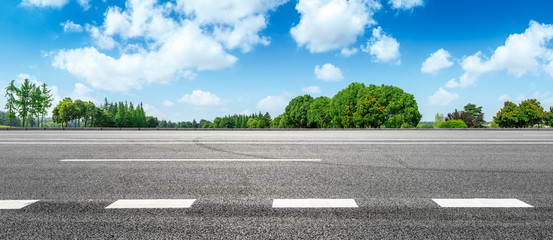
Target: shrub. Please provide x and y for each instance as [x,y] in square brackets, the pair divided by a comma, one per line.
[453,124]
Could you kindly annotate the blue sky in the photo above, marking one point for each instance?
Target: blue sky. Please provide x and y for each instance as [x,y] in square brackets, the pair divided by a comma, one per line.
[199,59]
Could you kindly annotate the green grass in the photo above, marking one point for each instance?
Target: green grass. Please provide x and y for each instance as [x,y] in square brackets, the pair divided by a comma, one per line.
[1,126]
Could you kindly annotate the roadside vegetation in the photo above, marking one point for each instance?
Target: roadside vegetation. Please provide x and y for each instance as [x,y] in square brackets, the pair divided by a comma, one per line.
[356,106]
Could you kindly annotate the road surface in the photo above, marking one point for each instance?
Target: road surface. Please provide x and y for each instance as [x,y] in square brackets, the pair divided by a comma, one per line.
[276,184]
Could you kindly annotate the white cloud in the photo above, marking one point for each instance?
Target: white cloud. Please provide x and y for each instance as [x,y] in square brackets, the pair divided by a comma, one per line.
[436,61]
[153,111]
[84,4]
[168,103]
[383,47]
[44,3]
[82,92]
[22,76]
[70,26]
[245,112]
[201,98]
[405,4]
[452,83]
[503,98]
[442,98]
[328,72]
[346,52]
[311,89]
[273,104]
[332,24]
[163,42]
[522,53]
[549,69]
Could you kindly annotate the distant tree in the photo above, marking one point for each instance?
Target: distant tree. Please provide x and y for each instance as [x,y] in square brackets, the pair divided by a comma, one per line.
[64,112]
[369,113]
[477,119]
[527,114]
[46,99]
[467,118]
[453,124]
[11,103]
[318,114]
[508,116]
[549,117]
[252,123]
[438,119]
[530,113]
[276,122]
[264,121]
[343,104]
[295,114]
[401,107]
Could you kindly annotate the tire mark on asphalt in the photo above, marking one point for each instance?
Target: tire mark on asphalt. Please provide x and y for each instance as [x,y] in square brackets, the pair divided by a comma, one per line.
[199,144]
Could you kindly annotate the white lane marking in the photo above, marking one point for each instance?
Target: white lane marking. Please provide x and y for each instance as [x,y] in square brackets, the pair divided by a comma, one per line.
[314,203]
[481,203]
[152,203]
[15,204]
[192,160]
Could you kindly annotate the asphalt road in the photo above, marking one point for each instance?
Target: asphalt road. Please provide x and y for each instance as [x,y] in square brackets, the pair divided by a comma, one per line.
[391,175]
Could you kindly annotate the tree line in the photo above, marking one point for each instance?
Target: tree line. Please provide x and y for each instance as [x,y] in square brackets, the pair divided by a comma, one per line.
[528,113]
[28,103]
[86,114]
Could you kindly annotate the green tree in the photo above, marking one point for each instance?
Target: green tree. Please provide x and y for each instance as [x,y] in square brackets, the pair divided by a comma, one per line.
[252,123]
[11,103]
[23,100]
[530,113]
[295,114]
[343,104]
[64,112]
[453,124]
[549,117]
[369,113]
[276,122]
[47,99]
[401,107]
[438,119]
[508,116]
[477,119]
[318,114]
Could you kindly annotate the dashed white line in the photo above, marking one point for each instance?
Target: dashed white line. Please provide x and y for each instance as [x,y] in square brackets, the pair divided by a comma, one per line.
[481,203]
[193,160]
[15,204]
[152,203]
[314,203]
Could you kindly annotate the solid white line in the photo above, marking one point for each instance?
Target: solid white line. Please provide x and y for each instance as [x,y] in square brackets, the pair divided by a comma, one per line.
[192,160]
[314,203]
[481,203]
[15,204]
[152,203]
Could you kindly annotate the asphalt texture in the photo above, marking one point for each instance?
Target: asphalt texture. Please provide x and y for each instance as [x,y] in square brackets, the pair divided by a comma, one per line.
[392,175]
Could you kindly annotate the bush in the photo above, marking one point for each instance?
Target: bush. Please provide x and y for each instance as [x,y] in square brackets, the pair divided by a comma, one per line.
[453,124]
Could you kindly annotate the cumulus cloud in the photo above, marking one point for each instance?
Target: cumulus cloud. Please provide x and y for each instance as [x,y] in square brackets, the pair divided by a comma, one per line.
[70,26]
[84,4]
[168,103]
[201,99]
[153,111]
[383,47]
[405,4]
[521,53]
[273,104]
[452,83]
[332,24]
[163,42]
[549,69]
[82,92]
[311,89]
[44,3]
[346,52]
[436,61]
[442,97]
[328,73]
